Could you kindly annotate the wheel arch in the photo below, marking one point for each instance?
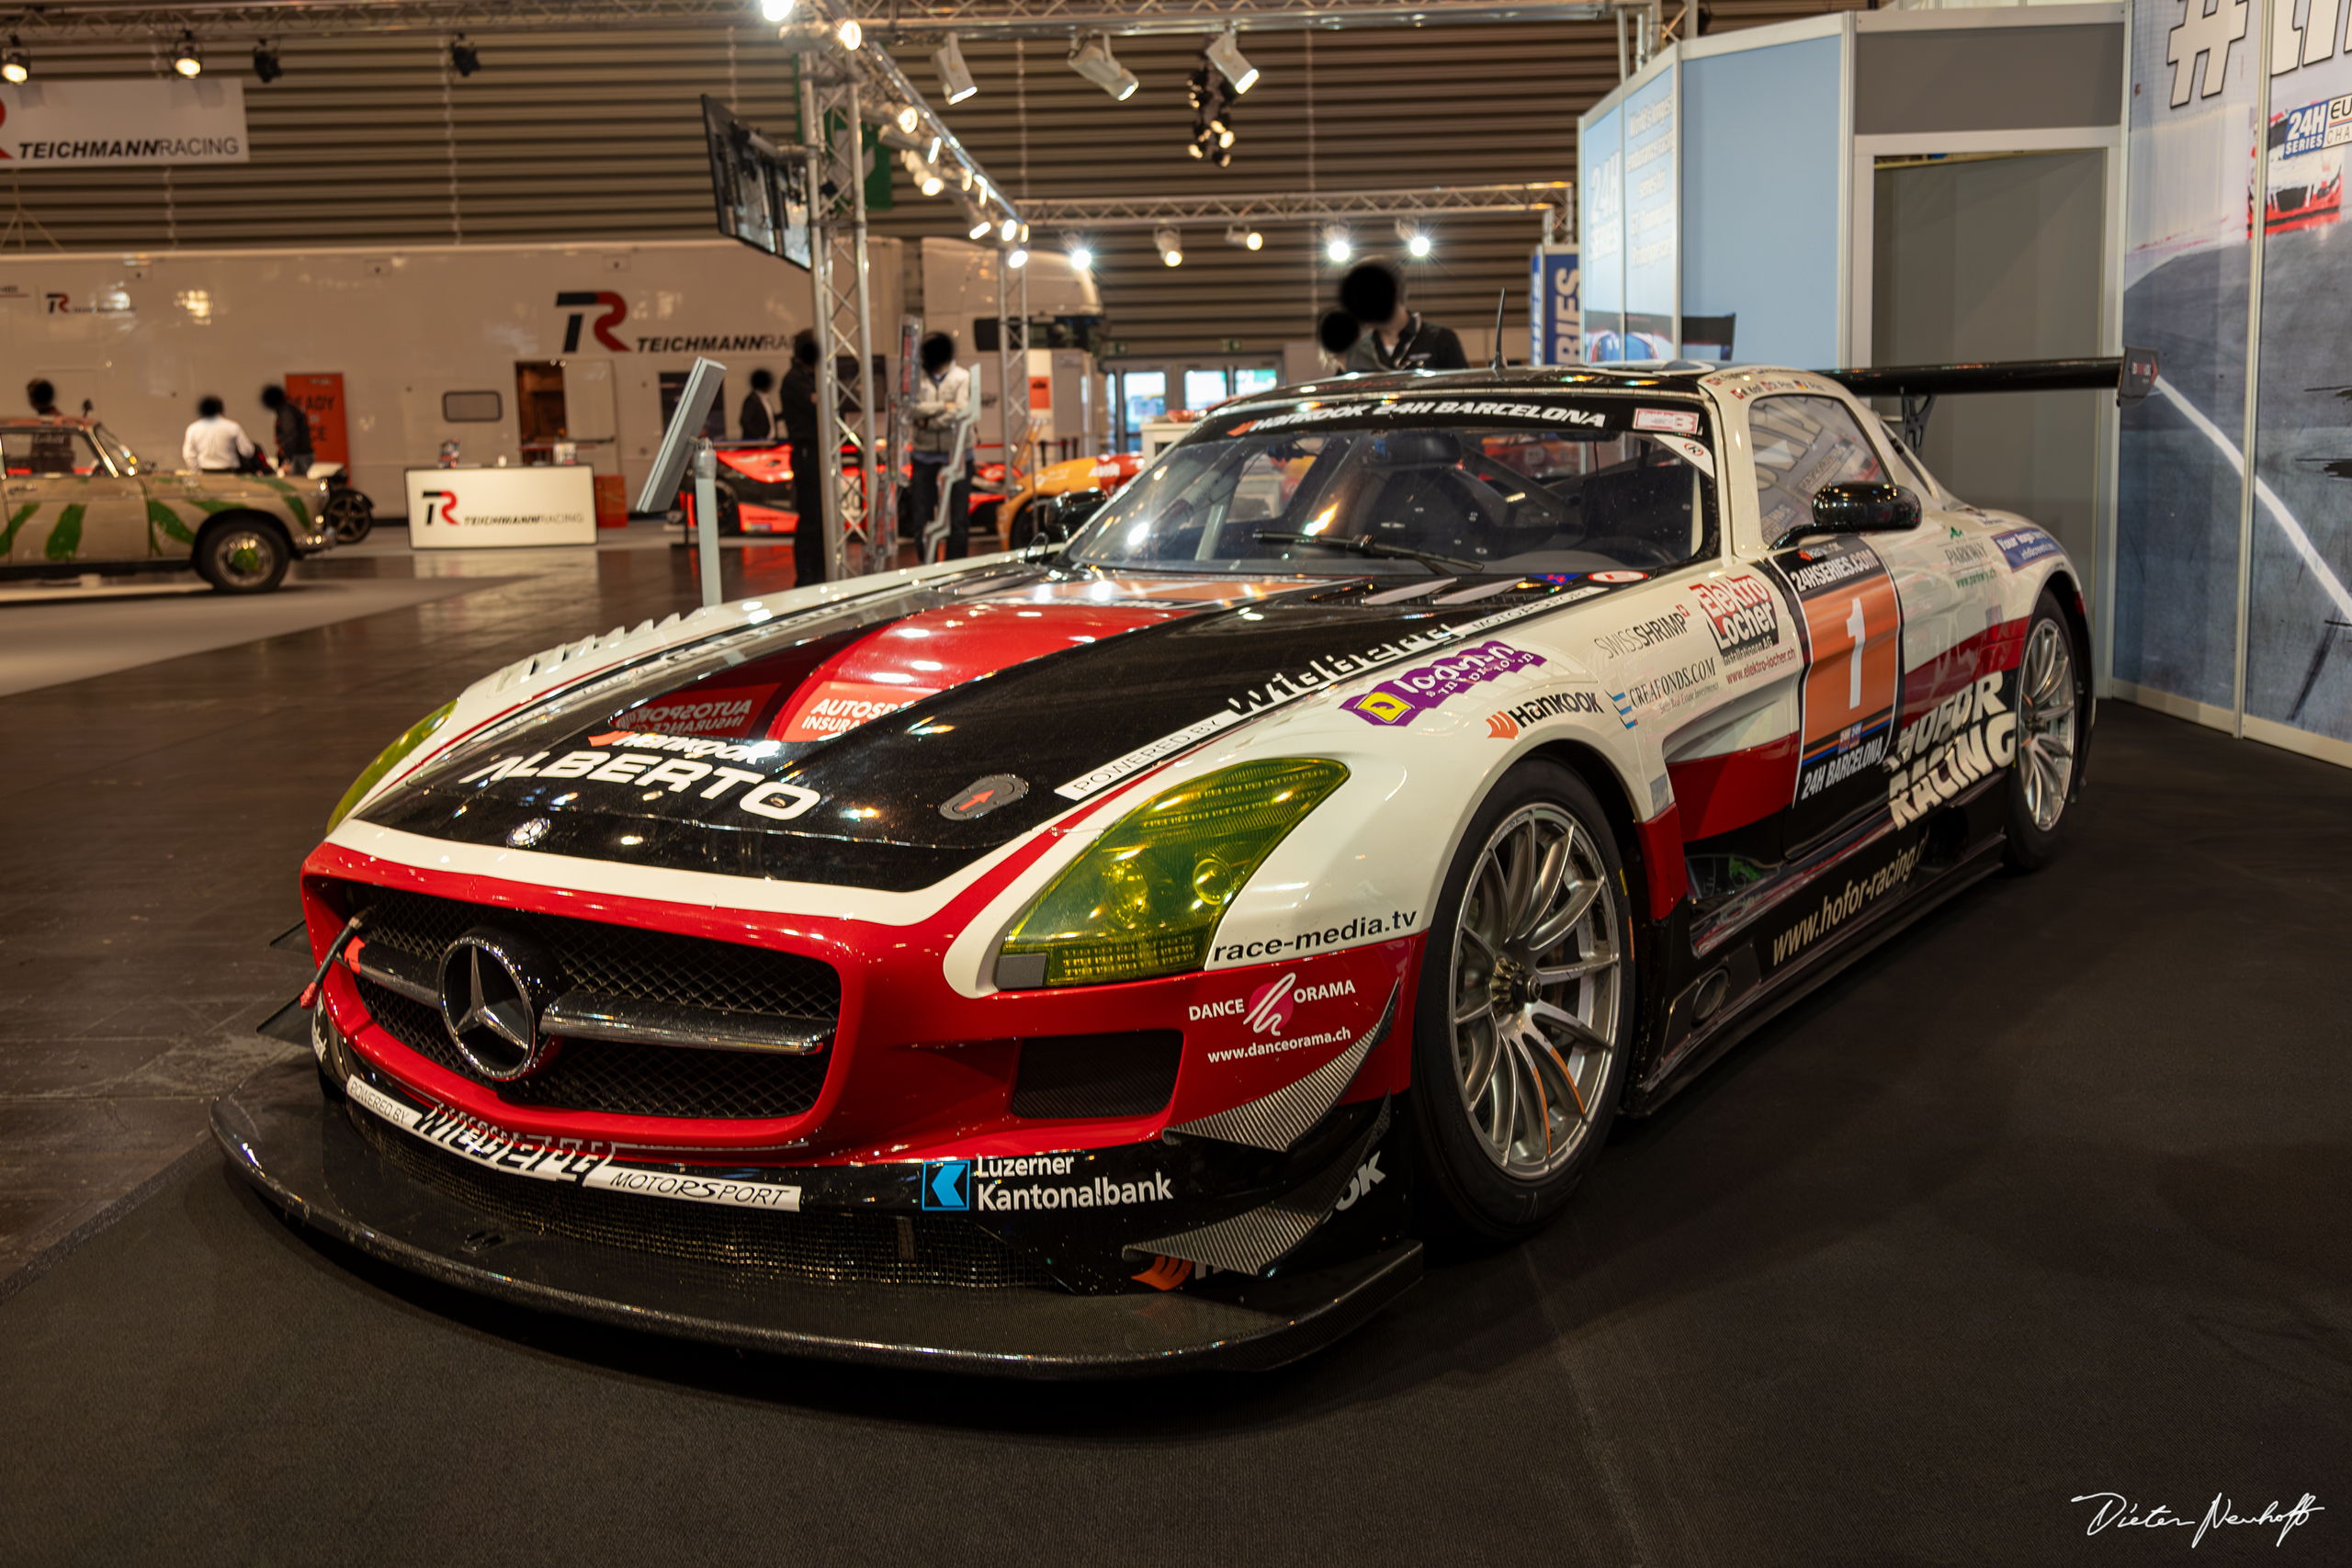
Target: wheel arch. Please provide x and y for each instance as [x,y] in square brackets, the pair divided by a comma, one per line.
[2062,586]
[235,514]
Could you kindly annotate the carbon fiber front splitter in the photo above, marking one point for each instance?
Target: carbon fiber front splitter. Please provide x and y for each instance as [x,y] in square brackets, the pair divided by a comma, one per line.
[304,1156]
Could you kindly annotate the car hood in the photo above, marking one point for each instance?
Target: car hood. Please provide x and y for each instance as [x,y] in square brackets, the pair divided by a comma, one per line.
[890,743]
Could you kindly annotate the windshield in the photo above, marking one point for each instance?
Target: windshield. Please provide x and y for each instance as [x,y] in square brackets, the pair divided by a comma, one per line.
[125,460]
[1563,485]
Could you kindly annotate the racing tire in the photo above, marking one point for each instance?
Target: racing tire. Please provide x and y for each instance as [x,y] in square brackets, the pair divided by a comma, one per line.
[350,515]
[1525,1013]
[2051,705]
[242,555]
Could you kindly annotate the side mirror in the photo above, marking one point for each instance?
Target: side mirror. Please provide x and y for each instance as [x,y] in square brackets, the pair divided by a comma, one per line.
[1859,508]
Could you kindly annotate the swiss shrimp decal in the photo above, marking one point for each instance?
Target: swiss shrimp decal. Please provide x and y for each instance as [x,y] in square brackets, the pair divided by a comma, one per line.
[1852,624]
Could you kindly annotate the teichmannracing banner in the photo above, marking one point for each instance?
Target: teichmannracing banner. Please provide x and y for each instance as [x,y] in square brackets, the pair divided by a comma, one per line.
[111,123]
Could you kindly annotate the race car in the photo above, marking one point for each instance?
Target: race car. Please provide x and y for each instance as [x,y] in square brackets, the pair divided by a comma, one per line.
[77,498]
[1074,484]
[1119,956]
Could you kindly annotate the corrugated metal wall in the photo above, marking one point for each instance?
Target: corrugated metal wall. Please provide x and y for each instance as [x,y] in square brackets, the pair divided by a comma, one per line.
[596,136]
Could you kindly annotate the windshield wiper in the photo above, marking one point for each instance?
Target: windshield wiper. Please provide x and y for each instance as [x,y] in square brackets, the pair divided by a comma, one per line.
[1374,548]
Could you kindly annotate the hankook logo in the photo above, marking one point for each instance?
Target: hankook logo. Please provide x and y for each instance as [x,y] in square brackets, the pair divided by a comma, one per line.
[491,989]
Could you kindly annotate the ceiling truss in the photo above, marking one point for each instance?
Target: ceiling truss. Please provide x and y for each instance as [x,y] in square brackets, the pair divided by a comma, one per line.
[1294,207]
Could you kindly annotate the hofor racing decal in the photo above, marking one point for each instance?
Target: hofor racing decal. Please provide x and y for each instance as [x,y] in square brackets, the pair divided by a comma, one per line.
[1968,735]
[1852,623]
[579,1164]
[1847,892]
[1402,698]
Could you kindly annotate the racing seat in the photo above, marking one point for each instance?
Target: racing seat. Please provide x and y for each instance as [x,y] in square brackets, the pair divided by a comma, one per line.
[1644,502]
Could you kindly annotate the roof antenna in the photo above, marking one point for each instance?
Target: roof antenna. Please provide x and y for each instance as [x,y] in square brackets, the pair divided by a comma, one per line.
[1500,295]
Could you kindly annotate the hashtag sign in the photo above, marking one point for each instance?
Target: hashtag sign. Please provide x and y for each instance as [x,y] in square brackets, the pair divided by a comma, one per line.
[2207,36]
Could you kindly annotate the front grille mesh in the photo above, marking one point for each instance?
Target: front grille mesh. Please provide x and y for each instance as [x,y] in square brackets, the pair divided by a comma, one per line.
[821,1248]
[613,1076]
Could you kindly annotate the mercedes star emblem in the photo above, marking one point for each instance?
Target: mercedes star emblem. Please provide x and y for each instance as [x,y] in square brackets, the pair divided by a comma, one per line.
[492,990]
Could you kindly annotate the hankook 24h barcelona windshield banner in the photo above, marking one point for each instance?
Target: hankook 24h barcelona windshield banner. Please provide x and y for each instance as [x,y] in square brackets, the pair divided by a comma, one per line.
[117,123]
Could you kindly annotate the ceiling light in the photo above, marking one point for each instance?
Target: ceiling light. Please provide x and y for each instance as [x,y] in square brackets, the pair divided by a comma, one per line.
[909,119]
[1225,53]
[850,33]
[265,66]
[187,59]
[15,65]
[1336,243]
[1170,245]
[1212,116]
[1010,232]
[980,227]
[1249,239]
[775,10]
[932,156]
[928,180]
[952,74]
[1016,257]
[1092,59]
[1418,243]
[1081,255]
[463,57]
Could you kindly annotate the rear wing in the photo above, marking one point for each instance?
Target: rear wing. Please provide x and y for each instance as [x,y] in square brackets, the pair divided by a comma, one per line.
[2132,374]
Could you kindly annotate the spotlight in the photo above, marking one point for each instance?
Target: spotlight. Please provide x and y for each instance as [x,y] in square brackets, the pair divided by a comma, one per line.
[850,33]
[15,65]
[775,10]
[1225,53]
[464,58]
[932,156]
[1092,59]
[1081,255]
[1416,240]
[1170,245]
[265,66]
[909,121]
[927,181]
[1016,257]
[1212,116]
[952,74]
[1010,232]
[187,59]
[1249,239]
[980,227]
[1336,243]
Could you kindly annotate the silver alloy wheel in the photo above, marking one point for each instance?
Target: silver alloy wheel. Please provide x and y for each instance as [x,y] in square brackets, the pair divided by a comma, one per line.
[2046,724]
[246,557]
[1538,984]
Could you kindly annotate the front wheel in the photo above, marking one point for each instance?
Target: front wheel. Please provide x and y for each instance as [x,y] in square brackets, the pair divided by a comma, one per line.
[2051,699]
[243,557]
[1525,1011]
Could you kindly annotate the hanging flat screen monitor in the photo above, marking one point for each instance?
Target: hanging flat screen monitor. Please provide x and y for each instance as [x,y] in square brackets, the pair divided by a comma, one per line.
[762,189]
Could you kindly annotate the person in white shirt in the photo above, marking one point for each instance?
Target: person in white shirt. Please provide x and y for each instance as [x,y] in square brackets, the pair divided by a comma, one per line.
[215,443]
[943,402]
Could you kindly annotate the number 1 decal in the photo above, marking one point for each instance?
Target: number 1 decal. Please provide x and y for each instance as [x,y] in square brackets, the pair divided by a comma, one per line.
[1853,639]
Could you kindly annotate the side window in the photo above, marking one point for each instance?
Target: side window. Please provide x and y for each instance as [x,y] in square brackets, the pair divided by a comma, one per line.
[1801,444]
[48,449]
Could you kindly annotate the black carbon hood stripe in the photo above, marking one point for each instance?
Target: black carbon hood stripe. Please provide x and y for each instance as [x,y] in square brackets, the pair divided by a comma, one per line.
[864,808]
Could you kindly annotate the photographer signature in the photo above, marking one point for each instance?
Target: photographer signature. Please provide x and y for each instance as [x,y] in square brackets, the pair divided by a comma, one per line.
[2114,1509]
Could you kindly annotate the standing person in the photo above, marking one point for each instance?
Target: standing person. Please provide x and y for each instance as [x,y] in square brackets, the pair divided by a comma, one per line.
[1397,338]
[294,454]
[796,409]
[42,396]
[215,443]
[942,400]
[759,408]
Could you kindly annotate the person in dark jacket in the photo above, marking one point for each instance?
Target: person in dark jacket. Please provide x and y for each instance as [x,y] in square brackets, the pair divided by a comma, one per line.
[294,454]
[796,409]
[758,423]
[1394,338]
[42,396]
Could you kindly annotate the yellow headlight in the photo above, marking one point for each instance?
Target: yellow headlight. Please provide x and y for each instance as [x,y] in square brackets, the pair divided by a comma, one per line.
[390,757]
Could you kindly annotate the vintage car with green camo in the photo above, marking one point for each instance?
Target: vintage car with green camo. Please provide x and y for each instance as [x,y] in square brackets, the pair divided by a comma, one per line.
[77,498]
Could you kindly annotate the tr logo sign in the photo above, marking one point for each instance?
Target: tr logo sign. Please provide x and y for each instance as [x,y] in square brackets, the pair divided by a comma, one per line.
[615,313]
[444,503]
